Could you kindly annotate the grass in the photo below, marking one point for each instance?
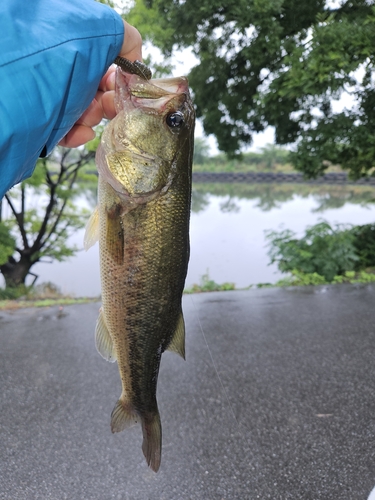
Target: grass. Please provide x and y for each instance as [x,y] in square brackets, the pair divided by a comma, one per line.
[239,167]
[20,304]
[208,285]
[296,278]
[304,279]
[43,295]
[218,165]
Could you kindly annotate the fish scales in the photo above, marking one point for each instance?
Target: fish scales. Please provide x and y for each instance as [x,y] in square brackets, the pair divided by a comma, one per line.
[142,223]
[148,298]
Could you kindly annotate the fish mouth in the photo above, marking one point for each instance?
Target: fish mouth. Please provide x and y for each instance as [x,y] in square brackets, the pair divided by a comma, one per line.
[152,89]
[153,96]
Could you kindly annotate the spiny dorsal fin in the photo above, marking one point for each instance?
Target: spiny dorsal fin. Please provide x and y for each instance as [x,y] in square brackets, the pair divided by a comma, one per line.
[92,230]
[178,340]
[103,339]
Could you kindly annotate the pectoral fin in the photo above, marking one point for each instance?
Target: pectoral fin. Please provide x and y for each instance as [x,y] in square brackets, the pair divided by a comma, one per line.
[92,230]
[103,340]
[178,340]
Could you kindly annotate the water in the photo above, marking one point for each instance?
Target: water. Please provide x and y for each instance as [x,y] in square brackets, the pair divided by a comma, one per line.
[227,232]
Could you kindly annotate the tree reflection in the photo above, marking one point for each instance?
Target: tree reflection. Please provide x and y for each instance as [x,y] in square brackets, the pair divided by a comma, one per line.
[333,201]
[200,200]
[269,196]
[229,205]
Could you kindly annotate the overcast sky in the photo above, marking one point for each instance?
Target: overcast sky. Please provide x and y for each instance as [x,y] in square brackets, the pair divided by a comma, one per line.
[183,62]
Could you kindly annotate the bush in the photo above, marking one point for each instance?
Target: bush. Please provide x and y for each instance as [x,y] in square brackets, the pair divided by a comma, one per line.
[298,278]
[301,279]
[208,285]
[364,243]
[324,250]
[13,292]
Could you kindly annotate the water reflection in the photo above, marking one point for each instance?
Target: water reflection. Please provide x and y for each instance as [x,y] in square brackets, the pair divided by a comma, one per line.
[227,231]
[270,196]
[229,205]
[199,200]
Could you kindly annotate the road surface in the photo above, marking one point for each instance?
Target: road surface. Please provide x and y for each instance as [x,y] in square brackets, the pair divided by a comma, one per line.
[276,400]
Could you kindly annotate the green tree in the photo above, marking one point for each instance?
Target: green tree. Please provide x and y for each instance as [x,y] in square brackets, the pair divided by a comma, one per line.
[272,154]
[201,151]
[43,214]
[280,63]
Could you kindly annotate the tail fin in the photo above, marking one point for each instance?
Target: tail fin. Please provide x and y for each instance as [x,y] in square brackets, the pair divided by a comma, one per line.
[151,446]
[123,416]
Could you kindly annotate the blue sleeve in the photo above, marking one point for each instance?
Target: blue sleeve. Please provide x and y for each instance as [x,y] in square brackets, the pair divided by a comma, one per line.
[53,54]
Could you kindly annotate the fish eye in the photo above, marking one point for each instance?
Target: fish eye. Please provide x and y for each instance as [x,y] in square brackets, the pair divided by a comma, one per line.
[175,119]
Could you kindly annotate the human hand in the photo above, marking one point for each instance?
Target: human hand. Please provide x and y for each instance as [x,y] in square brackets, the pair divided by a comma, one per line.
[103,105]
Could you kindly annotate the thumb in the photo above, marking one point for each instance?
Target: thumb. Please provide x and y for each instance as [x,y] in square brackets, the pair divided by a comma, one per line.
[132,45]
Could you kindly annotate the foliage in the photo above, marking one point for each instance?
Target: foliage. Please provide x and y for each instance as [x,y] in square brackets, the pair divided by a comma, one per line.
[42,213]
[42,295]
[13,292]
[284,63]
[324,250]
[7,243]
[19,304]
[298,278]
[271,155]
[208,285]
[201,151]
[364,243]
[271,158]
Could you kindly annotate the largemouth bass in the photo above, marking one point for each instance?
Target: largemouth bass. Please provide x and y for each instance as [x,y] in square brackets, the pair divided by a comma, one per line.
[142,223]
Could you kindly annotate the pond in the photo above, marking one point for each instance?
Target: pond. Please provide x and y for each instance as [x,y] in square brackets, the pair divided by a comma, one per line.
[228,222]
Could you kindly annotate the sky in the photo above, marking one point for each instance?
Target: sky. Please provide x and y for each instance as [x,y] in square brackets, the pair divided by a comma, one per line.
[183,61]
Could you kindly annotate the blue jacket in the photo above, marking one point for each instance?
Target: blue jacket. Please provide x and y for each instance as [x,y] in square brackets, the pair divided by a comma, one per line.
[53,54]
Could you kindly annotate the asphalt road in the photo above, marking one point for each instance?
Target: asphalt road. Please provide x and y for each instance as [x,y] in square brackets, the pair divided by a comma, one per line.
[275,401]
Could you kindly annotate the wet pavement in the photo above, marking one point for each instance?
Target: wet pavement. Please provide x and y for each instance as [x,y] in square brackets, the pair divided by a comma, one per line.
[276,400]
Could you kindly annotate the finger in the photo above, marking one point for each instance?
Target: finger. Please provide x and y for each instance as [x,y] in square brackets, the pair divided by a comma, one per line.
[77,136]
[132,45]
[92,116]
[107,103]
[108,80]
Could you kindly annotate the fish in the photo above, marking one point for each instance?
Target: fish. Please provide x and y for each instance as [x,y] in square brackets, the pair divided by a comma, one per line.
[144,164]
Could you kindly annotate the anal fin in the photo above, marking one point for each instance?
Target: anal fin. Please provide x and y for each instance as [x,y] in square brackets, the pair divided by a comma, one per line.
[123,416]
[177,343]
[103,340]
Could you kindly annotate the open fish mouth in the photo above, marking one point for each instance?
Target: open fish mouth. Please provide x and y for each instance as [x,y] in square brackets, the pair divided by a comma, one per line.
[162,96]
[135,86]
